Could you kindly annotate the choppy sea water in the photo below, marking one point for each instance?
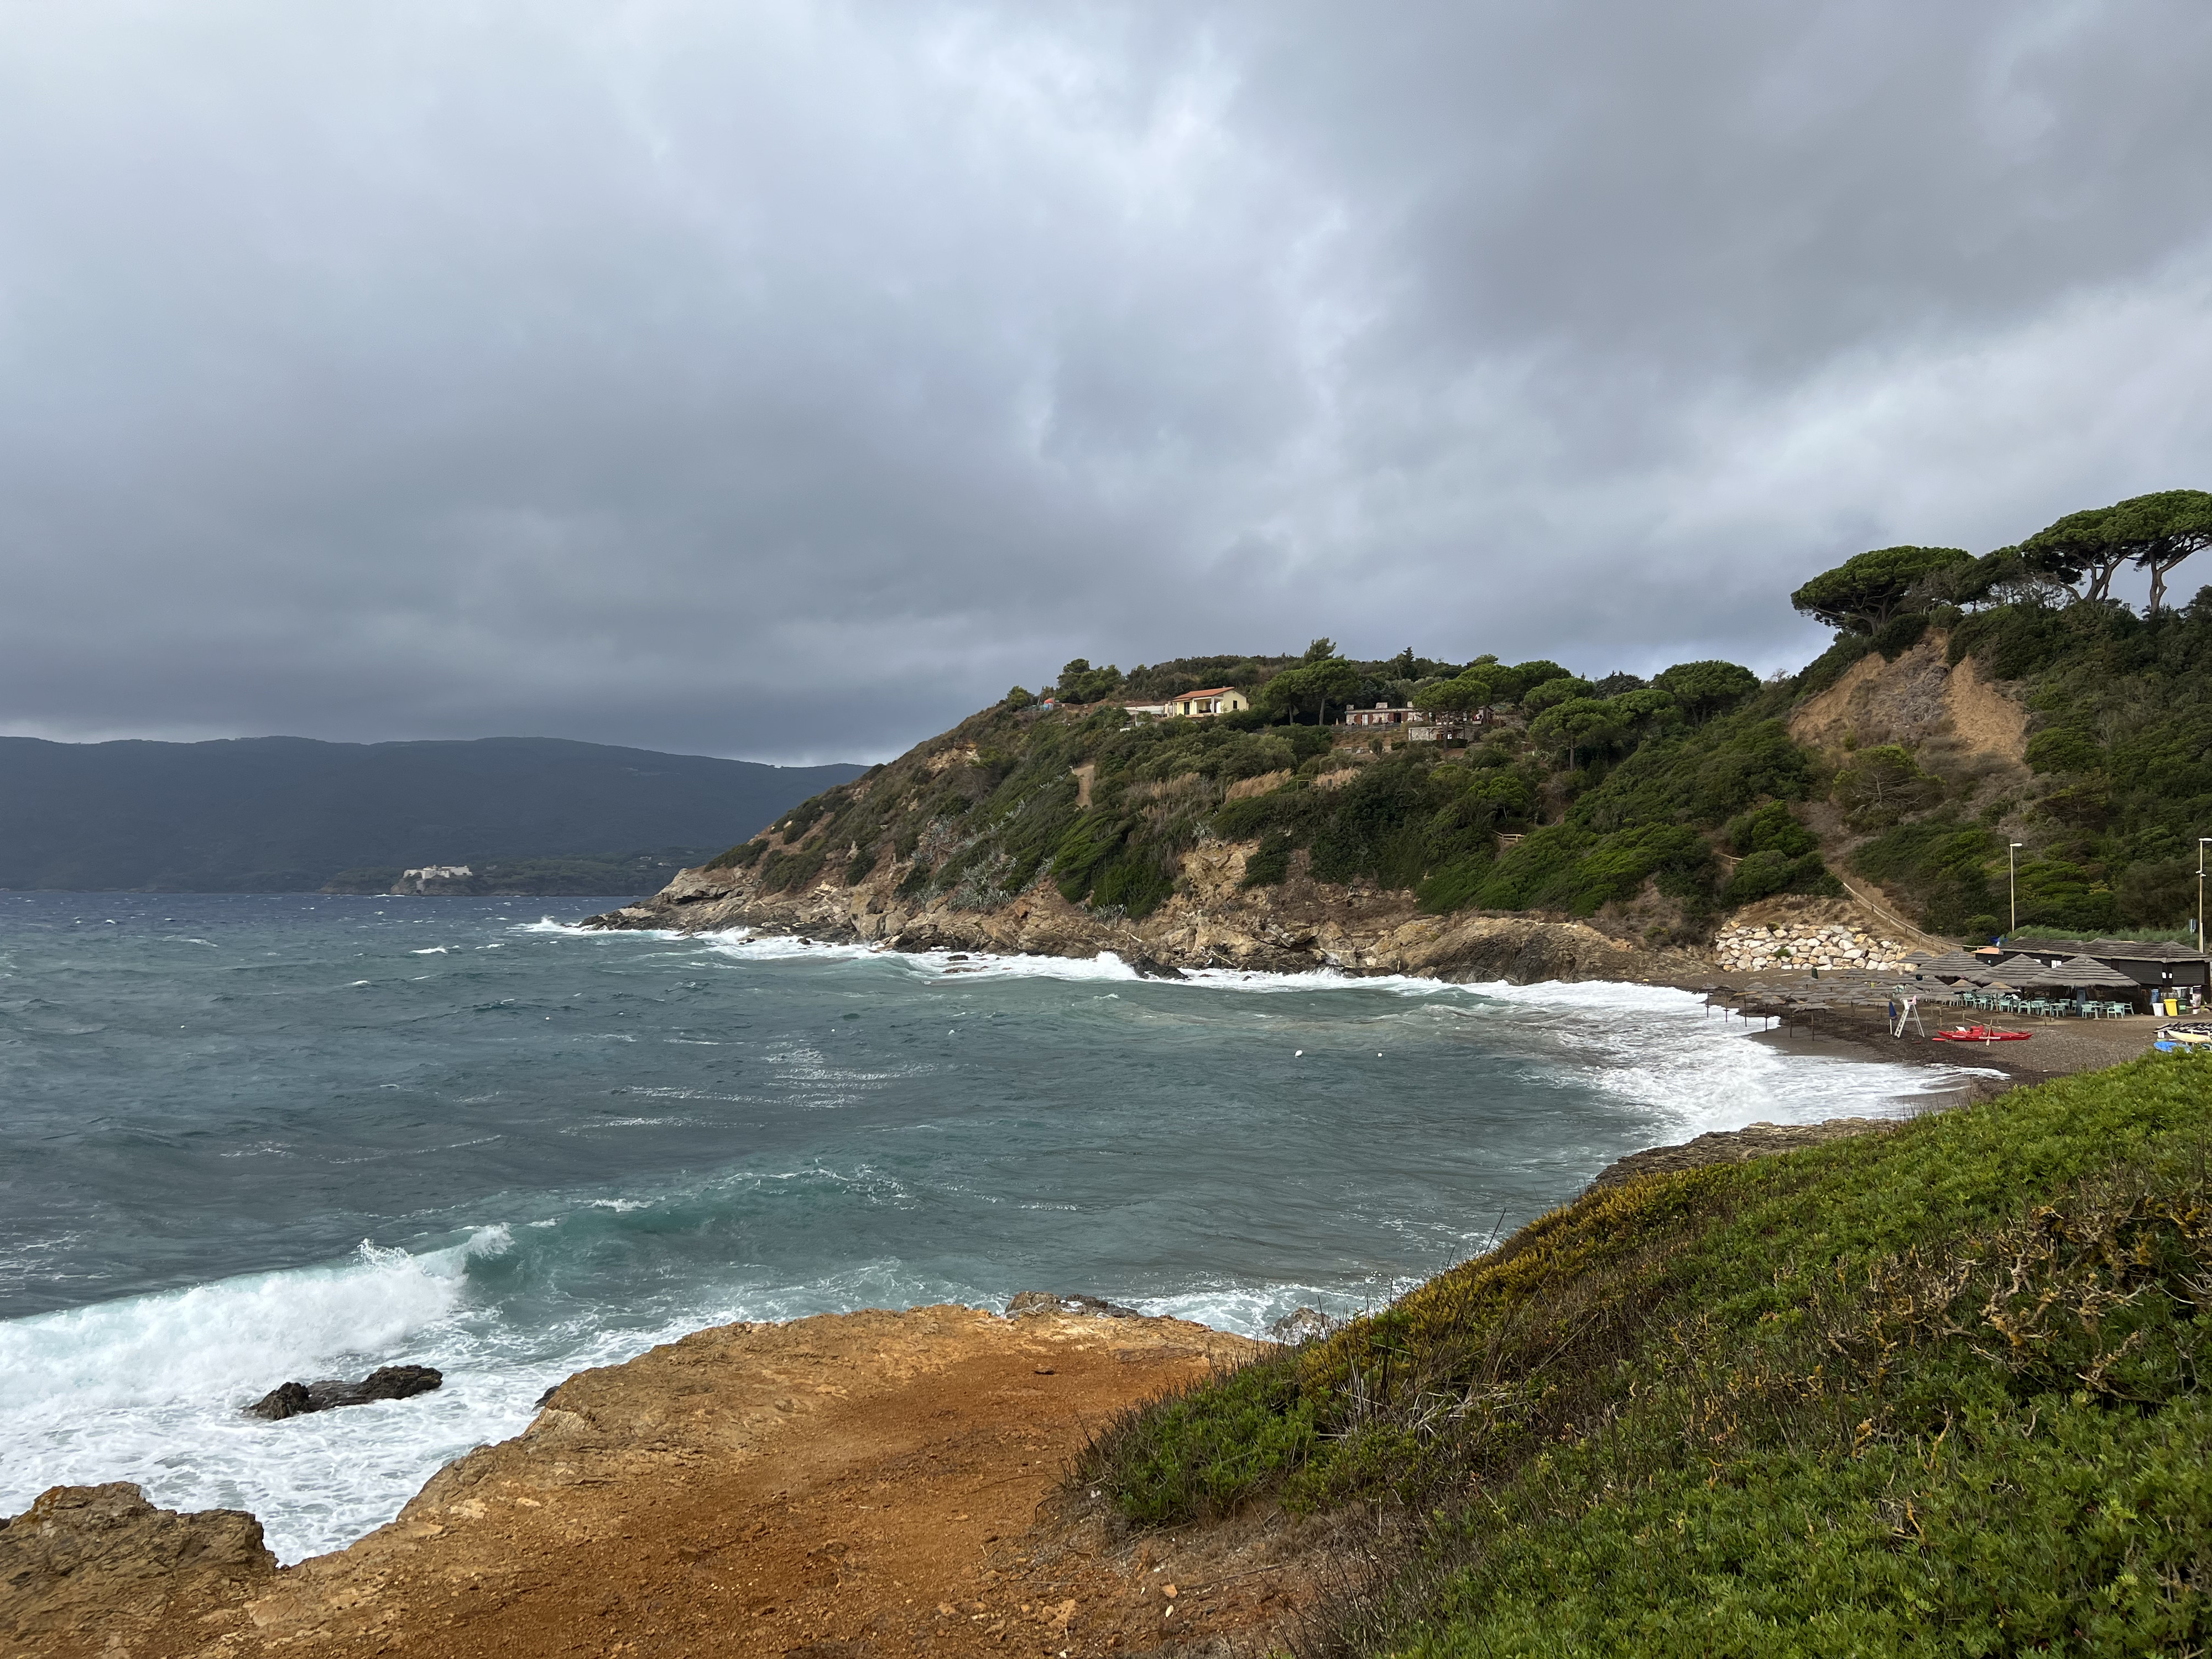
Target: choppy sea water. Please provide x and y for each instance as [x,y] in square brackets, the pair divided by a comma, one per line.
[254,1138]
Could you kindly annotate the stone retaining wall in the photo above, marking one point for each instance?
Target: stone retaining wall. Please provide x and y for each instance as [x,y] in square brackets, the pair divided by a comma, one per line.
[1754,949]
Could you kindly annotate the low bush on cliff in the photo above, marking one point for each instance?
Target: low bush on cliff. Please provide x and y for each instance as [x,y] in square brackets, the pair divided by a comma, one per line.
[1942,1389]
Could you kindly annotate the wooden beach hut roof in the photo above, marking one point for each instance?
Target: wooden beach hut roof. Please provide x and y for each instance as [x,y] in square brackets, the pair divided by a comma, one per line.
[2130,949]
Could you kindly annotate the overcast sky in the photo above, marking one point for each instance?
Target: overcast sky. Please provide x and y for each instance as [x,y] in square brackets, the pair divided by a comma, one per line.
[785,380]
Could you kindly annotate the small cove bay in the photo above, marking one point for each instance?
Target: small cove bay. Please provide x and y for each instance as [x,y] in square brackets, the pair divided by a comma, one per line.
[255,1138]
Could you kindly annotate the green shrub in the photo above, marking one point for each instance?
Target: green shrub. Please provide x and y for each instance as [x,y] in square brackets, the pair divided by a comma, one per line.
[1941,1389]
[1134,883]
[1771,829]
[1881,785]
[1455,886]
[1900,634]
[743,856]
[2064,749]
[1270,863]
[1083,850]
[1763,874]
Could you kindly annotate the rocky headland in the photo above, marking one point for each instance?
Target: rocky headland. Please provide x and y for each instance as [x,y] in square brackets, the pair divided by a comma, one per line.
[1212,920]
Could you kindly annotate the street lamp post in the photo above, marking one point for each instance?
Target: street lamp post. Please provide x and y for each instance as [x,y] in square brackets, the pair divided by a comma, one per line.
[2201,842]
[2011,882]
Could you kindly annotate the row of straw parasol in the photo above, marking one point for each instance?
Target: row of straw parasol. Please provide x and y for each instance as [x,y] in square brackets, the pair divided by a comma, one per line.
[1793,996]
[2023,973]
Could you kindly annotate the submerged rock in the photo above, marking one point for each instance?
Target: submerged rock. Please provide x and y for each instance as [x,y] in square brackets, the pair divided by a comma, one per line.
[1026,1302]
[385,1382]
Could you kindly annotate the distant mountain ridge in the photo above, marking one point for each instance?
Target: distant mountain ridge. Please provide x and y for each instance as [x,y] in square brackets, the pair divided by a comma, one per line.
[288,814]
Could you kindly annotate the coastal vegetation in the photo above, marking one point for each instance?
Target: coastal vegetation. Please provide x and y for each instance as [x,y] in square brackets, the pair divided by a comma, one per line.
[1656,805]
[1608,786]
[1936,1390]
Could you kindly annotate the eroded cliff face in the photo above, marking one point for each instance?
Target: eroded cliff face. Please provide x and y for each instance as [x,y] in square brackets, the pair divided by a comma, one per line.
[1211,921]
[1922,702]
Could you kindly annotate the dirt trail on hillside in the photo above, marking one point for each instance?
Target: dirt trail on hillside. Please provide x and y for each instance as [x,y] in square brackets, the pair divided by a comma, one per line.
[837,1488]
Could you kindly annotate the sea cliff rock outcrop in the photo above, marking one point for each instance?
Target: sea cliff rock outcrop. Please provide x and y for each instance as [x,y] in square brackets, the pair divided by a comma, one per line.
[1211,921]
[98,1569]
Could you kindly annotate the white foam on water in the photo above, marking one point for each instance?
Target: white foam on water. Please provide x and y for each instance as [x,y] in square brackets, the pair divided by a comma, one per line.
[1693,1070]
[1658,1049]
[152,1389]
[1253,1311]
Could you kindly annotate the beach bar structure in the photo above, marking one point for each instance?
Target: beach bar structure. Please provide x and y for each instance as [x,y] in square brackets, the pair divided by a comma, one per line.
[2136,968]
[2155,966]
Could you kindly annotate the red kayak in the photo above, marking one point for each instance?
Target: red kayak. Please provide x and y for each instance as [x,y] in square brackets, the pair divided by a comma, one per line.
[1980,1033]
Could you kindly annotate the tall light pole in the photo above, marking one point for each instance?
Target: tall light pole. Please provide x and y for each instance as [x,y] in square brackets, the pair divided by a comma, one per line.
[2012,883]
[2201,842]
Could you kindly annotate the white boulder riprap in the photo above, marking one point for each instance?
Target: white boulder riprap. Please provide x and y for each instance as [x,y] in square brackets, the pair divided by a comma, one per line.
[1754,948]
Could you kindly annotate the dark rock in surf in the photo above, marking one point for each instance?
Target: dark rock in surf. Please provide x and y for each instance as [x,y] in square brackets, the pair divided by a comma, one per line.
[385,1382]
[1146,966]
[285,1399]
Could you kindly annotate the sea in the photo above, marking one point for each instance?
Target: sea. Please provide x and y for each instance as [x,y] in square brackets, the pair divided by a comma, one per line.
[248,1140]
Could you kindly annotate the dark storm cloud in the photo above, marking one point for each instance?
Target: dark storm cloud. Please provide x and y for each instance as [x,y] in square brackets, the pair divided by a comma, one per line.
[785,379]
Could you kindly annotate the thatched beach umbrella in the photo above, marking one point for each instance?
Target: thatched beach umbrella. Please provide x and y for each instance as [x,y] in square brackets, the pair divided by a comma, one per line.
[2087,973]
[1953,964]
[2023,970]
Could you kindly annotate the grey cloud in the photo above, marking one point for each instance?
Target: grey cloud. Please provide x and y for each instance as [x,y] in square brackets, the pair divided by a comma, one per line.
[785,379]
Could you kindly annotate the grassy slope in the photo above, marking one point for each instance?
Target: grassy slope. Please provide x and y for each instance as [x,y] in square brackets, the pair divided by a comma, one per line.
[1934,1391]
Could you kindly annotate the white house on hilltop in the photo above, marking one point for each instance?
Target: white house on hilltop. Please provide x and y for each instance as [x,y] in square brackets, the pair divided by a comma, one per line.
[1193,705]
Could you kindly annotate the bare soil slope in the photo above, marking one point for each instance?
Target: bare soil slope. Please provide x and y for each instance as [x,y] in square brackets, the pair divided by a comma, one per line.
[1912,701]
